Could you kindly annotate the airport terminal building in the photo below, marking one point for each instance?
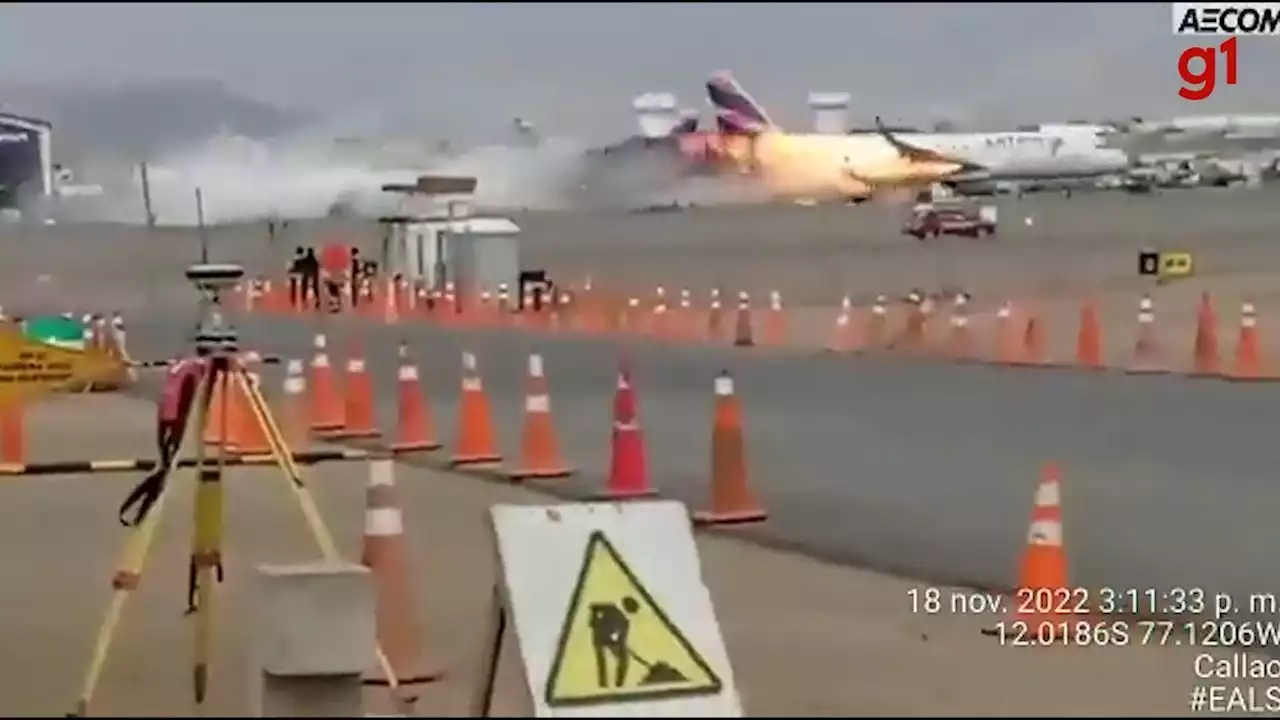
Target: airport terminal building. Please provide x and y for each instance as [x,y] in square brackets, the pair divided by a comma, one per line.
[26,163]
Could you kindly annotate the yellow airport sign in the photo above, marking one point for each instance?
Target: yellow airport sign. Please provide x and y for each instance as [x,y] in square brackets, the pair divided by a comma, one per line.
[1166,265]
[30,367]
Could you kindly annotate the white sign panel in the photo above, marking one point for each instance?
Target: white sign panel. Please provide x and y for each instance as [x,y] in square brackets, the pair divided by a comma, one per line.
[610,611]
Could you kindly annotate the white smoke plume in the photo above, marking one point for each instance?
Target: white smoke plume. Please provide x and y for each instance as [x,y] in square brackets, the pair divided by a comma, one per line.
[243,180]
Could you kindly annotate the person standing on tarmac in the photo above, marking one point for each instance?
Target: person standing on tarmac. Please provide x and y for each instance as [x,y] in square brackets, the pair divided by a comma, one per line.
[357,275]
[310,271]
[297,293]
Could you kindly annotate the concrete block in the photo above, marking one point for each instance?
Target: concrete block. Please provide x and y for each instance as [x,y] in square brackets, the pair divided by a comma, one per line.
[316,696]
[315,620]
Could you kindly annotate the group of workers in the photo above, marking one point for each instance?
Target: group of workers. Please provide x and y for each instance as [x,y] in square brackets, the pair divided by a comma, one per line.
[334,267]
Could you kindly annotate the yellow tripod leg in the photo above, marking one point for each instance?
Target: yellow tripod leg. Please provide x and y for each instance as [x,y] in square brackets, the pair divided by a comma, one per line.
[126,579]
[283,456]
[206,535]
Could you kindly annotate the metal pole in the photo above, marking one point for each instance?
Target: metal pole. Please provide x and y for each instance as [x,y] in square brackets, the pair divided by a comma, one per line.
[204,239]
[149,216]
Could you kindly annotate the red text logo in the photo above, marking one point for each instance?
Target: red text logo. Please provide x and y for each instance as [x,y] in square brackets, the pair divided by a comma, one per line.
[1198,69]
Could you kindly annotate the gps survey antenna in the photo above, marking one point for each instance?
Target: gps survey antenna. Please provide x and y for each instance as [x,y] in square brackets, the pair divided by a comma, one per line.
[214,334]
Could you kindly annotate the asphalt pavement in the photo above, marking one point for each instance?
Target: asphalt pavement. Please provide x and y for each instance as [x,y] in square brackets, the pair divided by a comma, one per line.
[915,467]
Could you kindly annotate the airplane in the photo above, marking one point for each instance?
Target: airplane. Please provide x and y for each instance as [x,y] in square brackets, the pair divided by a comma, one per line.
[888,158]
[811,165]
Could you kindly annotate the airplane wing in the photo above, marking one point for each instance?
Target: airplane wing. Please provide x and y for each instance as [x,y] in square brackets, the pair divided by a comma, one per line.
[916,153]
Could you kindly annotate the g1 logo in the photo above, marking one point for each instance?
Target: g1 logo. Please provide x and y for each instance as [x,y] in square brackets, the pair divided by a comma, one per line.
[1198,69]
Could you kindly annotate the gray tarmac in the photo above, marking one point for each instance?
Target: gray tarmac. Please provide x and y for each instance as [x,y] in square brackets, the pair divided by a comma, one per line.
[61,541]
[912,466]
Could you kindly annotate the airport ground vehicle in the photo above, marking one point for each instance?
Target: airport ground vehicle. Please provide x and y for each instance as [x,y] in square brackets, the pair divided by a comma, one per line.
[963,219]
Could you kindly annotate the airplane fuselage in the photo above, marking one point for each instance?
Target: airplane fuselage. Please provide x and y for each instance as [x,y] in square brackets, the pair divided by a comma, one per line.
[847,166]
[1027,155]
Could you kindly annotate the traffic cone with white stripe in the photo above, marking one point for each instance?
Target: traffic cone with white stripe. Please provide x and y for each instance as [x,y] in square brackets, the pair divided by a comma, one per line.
[1007,348]
[842,338]
[293,409]
[539,449]
[476,444]
[1147,357]
[1044,598]
[361,418]
[415,426]
[324,404]
[775,323]
[960,342]
[246,436]
[386,556]
[732,501]
[742,332]
[715,316]
[1249,362]
[628,467]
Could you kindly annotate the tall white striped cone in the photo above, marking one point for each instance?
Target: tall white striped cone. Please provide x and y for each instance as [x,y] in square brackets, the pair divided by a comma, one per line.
[293,410]
[386,556]
[1147,355]
[539,448]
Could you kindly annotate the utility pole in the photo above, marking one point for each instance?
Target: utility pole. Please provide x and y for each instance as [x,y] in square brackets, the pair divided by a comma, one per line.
[204,238]
[149,216]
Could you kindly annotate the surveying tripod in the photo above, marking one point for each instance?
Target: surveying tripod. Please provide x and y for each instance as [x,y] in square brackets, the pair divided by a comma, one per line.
[218,342]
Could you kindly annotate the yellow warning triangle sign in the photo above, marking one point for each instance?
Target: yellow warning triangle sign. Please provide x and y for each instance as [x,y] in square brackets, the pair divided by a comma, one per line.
[617,644]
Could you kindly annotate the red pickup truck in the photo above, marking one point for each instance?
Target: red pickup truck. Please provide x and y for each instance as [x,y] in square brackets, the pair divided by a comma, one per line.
[932,221]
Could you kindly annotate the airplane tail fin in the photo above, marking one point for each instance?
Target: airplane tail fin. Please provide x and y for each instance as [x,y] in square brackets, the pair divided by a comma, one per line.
[736,111]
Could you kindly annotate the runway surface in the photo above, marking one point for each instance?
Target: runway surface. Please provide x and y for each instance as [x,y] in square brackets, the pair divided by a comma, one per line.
[62,539]
[913,466]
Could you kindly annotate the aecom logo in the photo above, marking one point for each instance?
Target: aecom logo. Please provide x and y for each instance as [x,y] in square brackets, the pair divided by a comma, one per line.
[1198,64]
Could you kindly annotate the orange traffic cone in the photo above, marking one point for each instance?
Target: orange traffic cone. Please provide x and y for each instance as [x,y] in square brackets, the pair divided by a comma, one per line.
[1249,363]
[293,408]
[1147,357]
[877,324]
[960,341]
[1033,352]
[715,316]
[775,323]
[1008,343]
[324,407]
[1089,337]
[912,338]
[539,449]
[1206,359]
[1042,577]
[476,445]
[385,554]
[215,424]
[842,334]
[415,426]
[732,501]
[358,404]
[246,435]
[628,468]
[13,434]
[742,333]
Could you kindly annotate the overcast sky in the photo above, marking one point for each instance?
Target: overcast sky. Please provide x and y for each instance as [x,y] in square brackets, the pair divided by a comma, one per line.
[574,67]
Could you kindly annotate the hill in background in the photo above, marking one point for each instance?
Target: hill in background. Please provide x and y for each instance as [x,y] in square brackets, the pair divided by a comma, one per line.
[140,119]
